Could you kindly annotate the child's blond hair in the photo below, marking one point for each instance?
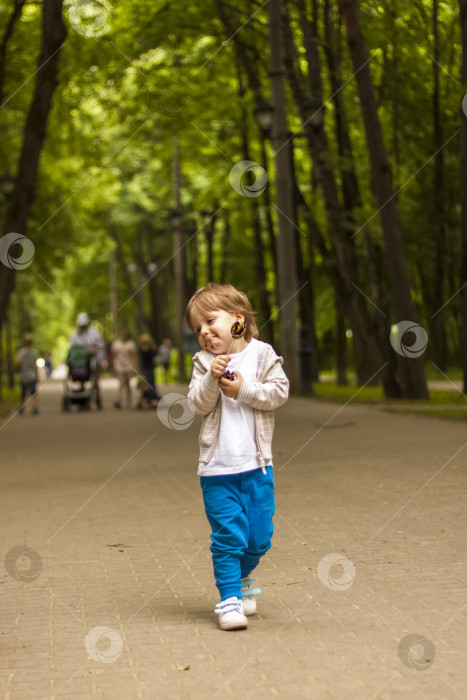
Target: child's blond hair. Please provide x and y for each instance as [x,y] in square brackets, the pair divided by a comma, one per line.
[145,340]
[213,297]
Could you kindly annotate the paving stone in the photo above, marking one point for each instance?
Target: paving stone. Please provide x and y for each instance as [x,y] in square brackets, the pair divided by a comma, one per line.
[111,504]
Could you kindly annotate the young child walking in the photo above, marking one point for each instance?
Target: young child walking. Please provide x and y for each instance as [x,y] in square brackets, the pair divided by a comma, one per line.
[26,364]
[235,461]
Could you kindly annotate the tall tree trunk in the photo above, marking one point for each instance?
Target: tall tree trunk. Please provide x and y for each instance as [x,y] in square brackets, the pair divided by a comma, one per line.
[341,339]
[391,385]
[350,190]
[267,209]
[209,229]
[310,271]
[9,351]
[395,92]
[463,270]
[132,292]
[286,254]
[14,17]
[307,330]
[250,70]
[367,355]
[143,273]
[313,337]
[439,349]
[412,370]
[149,234]
[191,260]
[178,267]
[226,248]
[332,270]
[16,220]
[2,362]
[113,292]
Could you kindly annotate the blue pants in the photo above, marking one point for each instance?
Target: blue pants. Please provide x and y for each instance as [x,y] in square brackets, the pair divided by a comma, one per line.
[239,508]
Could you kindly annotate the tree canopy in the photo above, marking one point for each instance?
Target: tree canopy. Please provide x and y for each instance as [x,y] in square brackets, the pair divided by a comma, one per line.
[138,80]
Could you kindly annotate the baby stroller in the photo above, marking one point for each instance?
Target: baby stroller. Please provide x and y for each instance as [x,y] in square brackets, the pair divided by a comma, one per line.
[80,384]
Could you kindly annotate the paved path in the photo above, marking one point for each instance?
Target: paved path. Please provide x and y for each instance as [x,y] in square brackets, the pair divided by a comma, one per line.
[107,507]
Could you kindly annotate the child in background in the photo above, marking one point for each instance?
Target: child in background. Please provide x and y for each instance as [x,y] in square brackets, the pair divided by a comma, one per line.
[147,352]
[48,365]
[164,354]
[26,360]
[148,398]
[235,462]
[125,363]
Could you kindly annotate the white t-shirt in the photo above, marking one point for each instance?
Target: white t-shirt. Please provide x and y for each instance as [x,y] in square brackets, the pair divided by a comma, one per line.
[89,337]
[28,358]
[236,449]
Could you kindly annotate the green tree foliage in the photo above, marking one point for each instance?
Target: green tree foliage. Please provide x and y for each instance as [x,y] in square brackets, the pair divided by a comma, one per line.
[139,74]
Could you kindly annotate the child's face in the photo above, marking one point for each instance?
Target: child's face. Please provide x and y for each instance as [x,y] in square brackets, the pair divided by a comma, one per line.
[213,329]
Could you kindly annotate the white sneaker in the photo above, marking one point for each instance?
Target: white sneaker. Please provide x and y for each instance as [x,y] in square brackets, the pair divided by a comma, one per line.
[248,593]
[231,616]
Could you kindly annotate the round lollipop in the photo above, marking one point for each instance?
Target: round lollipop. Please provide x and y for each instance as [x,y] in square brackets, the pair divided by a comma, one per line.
[237,331]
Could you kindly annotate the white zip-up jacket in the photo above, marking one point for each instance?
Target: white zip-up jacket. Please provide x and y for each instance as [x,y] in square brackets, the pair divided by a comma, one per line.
[268,392]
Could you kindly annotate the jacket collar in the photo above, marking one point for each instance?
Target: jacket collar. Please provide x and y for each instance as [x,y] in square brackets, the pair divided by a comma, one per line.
[203,356]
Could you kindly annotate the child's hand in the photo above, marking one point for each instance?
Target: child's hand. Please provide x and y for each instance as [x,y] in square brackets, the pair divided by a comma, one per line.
[229,388]
[219,365]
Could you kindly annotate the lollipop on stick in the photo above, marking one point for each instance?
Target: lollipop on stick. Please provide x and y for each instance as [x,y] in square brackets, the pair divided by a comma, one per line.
[238,331]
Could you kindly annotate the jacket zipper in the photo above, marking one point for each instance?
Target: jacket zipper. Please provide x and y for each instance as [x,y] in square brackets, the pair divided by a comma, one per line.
[262,462]
[217,431]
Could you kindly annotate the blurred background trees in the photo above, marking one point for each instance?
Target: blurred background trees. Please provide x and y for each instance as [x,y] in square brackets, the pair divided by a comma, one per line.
[357,126]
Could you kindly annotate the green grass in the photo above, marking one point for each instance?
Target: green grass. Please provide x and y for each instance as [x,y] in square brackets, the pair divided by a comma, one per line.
[10,400]
[441,404]
[371,394]
[334,392]
[432,374]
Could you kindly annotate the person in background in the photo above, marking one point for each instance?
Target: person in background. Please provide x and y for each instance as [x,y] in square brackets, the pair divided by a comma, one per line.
[164,354]
[125,363]
[89,337]
[47,365]
[26,360]
[147,352]
[148,398]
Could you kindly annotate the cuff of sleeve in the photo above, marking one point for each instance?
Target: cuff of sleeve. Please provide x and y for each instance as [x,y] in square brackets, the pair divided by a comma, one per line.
[246,392]
[211,382]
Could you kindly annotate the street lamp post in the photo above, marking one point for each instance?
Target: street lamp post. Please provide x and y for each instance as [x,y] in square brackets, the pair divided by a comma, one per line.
[176,216]
[284,196]
[7,185]
[264,114]
[146,271]
[208,223]
[305,351]
[138,296]
[315,112]
[113,290]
